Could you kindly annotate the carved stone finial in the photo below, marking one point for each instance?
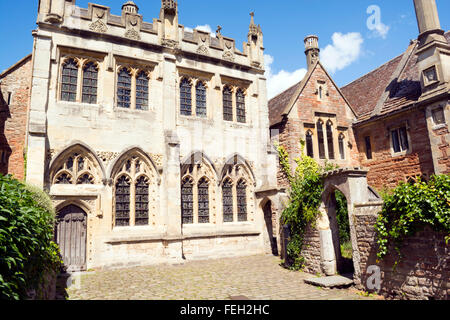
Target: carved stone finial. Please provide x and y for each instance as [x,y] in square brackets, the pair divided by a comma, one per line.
[130,7]
[169,6]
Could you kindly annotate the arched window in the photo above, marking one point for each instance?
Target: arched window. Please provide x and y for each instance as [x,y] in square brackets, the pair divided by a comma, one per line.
[122,196]
[141,201]
[90,77]
[124,89]
[201,99]
[241,192]
[69,81]
[227,104]
[330,141]
[142,91]
[341,146]
[187,201]
[309,145]
[240,106]
[227,201]
[78,167]
[320,139]
[186,97]
[203,201]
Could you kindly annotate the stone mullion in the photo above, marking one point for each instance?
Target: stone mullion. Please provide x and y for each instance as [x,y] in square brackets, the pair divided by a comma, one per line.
[234,103]
[133,194]
[80,80]
[134,73]
[235,204]
[195,202]
[193,99]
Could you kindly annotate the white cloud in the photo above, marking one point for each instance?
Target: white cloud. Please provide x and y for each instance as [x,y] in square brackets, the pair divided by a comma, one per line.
[381,30]
[205,28]
[345,50]
[277,83]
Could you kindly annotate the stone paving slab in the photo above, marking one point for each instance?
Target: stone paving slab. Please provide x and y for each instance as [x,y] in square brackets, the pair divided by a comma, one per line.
[256,278]
[330,282]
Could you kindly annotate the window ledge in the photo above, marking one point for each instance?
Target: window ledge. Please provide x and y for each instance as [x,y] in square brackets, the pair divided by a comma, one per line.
[439,126]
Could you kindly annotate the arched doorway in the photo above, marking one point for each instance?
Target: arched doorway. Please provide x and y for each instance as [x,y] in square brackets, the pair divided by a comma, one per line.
[268,218]
[70,235]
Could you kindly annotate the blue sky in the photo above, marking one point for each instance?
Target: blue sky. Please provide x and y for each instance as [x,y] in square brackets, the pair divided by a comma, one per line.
[349,48]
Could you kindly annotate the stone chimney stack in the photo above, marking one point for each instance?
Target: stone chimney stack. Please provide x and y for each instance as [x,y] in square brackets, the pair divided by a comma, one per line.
[312,50]
[169,20]
[428,22]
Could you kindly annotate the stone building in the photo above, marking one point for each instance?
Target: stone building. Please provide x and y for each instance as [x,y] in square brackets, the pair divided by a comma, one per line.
[14,101]
[153,141]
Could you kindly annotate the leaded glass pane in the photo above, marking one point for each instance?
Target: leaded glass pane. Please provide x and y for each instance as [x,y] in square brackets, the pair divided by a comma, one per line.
[395,141]
[227,198]
[69,81]
[90,77]
[341,147]
[187,202]
[201,99]
[142,91]
[240,106]
[185,98]
[330,142]
[203,201]
[85,179]
[309,145]
[403,139]
[124,89]
[241,191]
[122,198]
[320,140]
[227,104]
[142,200]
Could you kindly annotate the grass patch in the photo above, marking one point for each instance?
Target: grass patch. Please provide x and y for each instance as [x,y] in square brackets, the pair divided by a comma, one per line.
[346,250]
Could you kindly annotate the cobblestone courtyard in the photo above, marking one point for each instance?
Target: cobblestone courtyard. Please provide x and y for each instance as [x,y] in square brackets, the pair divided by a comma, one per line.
[255,277]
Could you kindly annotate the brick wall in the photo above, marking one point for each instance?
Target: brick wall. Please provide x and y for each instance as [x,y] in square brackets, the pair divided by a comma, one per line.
[423,273]
[386,170]
[14,116]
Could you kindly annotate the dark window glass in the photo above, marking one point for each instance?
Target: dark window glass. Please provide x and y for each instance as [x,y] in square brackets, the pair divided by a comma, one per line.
[227,104]
[141,202]
[85,179]
[403,139]
[309,145]
[400,140]
[124,89]
[90,77]
[142,91]
[203,201]
[187,202]
[320,140]
[227,198]
[69,81]
[241,191]
[330,141]
[341,147]
[240,106]
[186,97]
[395,141]
[438,116]
[9,98]
[368,148]
[201,100]
[63,179]
[122,198]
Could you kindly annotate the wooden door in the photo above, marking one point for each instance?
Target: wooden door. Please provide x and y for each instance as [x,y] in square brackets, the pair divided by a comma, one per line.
[71,237]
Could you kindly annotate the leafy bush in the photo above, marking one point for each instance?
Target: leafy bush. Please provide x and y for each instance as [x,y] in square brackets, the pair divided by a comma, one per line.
[411,207]
[27,250]
[306,188]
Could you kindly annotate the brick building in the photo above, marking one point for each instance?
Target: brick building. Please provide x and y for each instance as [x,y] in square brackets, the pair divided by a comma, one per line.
[14,102]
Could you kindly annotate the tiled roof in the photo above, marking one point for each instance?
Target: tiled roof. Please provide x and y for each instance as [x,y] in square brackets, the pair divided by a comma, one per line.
[278,104]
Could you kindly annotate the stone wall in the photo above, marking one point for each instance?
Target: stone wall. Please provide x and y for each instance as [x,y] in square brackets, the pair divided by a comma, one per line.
[423,273]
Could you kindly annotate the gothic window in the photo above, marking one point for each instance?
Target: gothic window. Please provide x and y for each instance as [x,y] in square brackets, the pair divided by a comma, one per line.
[64,178]
[203,201]
[400,140]
[227,195]
[240,106]
[341,146]
[309,145]
[320,139]
[69,81]
[227,104]
[85,179]
[241,192]
[122,196]
[187,201]
[368,148]
[330,141]
[201,99]
[90,77]
[124,89]
[142,201]
[142,91]
[77,169]
[186,97]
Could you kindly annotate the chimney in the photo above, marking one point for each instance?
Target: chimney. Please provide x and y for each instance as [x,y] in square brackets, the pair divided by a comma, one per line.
[312,50]
[428,22]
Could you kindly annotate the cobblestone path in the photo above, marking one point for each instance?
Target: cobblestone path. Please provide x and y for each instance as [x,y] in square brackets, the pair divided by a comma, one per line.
[255,277]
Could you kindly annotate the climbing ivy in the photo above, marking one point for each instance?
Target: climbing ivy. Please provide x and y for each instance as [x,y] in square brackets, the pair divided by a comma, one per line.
[306,188]
[411,207]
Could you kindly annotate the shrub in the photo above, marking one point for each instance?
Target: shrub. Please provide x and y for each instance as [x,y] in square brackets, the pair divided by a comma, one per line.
[27,250]
[411,207]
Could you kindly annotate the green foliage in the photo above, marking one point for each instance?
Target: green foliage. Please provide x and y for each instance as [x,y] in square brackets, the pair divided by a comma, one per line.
[306,188]
[342,217]
[27,250]
[409,208]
